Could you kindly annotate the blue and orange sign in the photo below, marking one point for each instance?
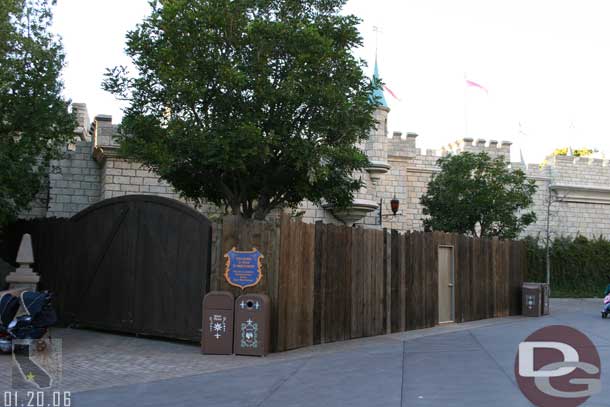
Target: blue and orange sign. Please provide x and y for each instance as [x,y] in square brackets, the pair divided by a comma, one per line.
[244,269]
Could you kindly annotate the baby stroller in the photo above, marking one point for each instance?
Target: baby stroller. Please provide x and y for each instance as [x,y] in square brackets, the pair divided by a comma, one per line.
[9,305]
[32,324]
[606,309]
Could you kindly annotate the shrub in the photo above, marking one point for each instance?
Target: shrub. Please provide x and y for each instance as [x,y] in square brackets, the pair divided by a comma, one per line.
[580,267]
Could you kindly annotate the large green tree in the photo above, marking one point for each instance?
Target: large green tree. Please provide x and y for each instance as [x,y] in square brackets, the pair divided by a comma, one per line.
[34,118]
[250,104]
[476,195]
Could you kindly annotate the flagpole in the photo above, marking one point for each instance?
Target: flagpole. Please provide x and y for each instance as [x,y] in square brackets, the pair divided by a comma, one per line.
[376,30]
[465,107]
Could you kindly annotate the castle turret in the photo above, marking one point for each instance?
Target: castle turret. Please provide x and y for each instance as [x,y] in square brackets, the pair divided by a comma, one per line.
[366,200]
[376,145]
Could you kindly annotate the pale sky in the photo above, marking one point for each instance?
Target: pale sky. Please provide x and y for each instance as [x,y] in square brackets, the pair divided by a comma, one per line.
[546,64]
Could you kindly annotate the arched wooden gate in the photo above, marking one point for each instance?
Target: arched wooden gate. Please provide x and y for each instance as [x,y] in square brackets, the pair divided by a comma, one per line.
[138,264]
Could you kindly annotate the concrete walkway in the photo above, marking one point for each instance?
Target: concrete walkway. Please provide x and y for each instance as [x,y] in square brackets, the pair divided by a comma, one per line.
[458,365]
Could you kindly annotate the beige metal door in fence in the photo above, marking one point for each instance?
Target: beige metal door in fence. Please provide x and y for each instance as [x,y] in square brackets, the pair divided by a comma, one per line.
[446,287]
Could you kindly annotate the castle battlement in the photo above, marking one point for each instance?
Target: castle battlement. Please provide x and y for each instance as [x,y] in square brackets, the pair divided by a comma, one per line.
[563,161]
[402,147]
[468,144]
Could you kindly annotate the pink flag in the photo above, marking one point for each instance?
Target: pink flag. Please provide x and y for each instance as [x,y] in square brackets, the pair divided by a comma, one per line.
[391,93]
[476,85]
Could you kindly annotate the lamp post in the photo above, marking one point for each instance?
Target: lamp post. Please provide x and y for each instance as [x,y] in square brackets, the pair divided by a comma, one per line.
[394,206]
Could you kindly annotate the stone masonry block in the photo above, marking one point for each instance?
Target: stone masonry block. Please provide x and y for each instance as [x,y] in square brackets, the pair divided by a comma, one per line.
[114,171]
[151,181]
[121,180]
[130,188]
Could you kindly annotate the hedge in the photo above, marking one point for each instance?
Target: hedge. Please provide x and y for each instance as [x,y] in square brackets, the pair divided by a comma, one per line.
[580,267]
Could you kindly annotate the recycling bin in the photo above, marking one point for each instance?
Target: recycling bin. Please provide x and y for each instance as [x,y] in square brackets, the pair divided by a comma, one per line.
[252,325]
[532,299]
[217,329]
[546,298]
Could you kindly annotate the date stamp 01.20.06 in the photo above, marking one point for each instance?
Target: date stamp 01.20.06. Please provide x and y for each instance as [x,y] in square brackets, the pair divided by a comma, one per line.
[30,398]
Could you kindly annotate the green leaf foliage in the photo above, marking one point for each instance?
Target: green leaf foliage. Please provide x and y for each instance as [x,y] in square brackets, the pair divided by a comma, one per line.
[476,195]
[249,104]
[580,267]
[34,118]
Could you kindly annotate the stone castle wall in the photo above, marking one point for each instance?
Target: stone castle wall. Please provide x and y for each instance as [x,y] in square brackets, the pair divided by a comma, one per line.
[579,195]
[579,187]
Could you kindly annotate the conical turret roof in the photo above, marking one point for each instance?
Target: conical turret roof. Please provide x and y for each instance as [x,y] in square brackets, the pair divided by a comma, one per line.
[378,95]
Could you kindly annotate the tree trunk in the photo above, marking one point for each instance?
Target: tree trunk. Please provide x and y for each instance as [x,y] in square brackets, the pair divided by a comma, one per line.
[235,208]
[262,207]
[260,213]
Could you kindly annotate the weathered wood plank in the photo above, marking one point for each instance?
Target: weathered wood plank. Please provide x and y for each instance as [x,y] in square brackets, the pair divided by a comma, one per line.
[345,294]
[368,282]
[417,293]
[396,300]
[357,327]
[318,294]
[387,282]
[408,281]
[378,278]
[308,285]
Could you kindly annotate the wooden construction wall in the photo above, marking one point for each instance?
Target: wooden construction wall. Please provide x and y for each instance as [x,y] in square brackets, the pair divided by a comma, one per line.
[327,283]
[488,278]
[331,283]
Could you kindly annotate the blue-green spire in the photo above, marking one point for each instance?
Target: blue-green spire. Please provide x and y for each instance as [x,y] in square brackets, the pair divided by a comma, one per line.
[378,96]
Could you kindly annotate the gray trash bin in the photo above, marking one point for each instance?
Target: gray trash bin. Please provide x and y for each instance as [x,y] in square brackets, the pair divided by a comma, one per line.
[532,299]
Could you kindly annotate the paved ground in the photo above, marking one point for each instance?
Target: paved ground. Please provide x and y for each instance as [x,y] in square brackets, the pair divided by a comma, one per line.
[458,365]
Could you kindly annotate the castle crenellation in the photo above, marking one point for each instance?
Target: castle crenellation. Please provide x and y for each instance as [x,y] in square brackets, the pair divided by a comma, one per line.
[467,144]
[91,170]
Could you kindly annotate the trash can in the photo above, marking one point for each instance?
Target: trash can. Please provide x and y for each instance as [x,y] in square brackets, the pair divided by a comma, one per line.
[532,299]
[546,298]
[217,329]
[252,325]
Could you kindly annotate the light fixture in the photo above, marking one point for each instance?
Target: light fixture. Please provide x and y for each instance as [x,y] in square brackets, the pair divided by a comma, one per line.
[394,206]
